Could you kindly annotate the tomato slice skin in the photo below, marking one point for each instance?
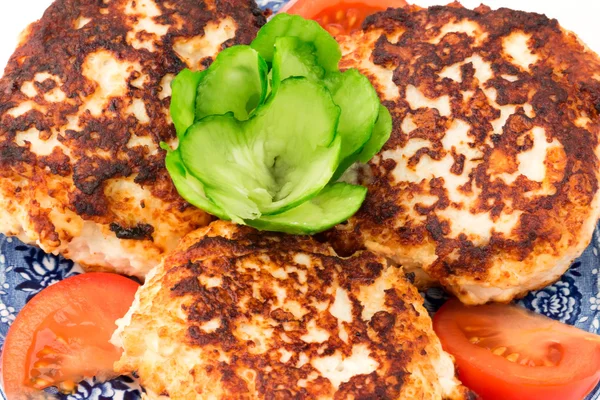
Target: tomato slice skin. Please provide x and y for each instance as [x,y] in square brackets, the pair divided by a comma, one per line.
[571,374]
[339,16]
[89,304]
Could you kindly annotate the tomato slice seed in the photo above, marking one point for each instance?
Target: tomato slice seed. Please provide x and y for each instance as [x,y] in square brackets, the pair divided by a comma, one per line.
[499,351]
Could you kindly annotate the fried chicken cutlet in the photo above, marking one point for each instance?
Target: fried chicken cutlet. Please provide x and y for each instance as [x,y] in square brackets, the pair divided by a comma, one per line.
[489,182]
[234,313]
[84,104]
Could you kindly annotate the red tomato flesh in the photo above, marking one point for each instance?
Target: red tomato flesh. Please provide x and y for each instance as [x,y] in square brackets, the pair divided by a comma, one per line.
[508,353]
[340,16]
[346,18]
[62,335]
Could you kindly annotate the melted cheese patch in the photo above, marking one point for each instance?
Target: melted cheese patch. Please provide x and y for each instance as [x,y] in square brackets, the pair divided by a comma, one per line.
[314,334]
[143,13]
[256,330]
[339,369]
[137,108]
[417,99]
[43,76]
[528,108]
[483,69]
[510,78]
[295,308]
[342,306]
[81,22]
[24,108]
[38,146]
[193,50]
[582,121]
[457,138]
[515,46]
[55,96]
[394,37]
[302,259]
[285,355]
[464,26]
[210,282]
[452,72]
[110,76]
[28,89]
[531,162]
[384,77]
[165,86]
[408,125]
[372,297]
[505,111]
[478,227]
[427,168]
[211,325]
[381,76]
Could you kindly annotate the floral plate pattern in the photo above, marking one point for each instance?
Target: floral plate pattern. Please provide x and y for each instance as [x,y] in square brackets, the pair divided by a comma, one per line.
[26,270]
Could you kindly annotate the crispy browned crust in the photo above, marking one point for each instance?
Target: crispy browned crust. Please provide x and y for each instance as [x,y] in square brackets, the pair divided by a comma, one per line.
[251,268]
[99,150]
[563,85]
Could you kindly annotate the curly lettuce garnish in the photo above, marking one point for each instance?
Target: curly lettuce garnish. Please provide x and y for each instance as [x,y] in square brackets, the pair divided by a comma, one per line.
[267,129]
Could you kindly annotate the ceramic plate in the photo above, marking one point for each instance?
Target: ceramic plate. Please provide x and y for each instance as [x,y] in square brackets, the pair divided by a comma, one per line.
[26,270]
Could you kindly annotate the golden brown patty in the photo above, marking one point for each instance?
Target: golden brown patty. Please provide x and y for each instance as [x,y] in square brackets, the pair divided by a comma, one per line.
[489,183]
[234,313]
[83,107]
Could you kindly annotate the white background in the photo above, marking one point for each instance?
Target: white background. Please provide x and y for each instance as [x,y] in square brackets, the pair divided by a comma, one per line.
[580,16]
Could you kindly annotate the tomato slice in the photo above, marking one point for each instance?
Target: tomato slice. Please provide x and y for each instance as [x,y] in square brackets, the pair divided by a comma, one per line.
[508,353]
[339,16]
[62,335]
